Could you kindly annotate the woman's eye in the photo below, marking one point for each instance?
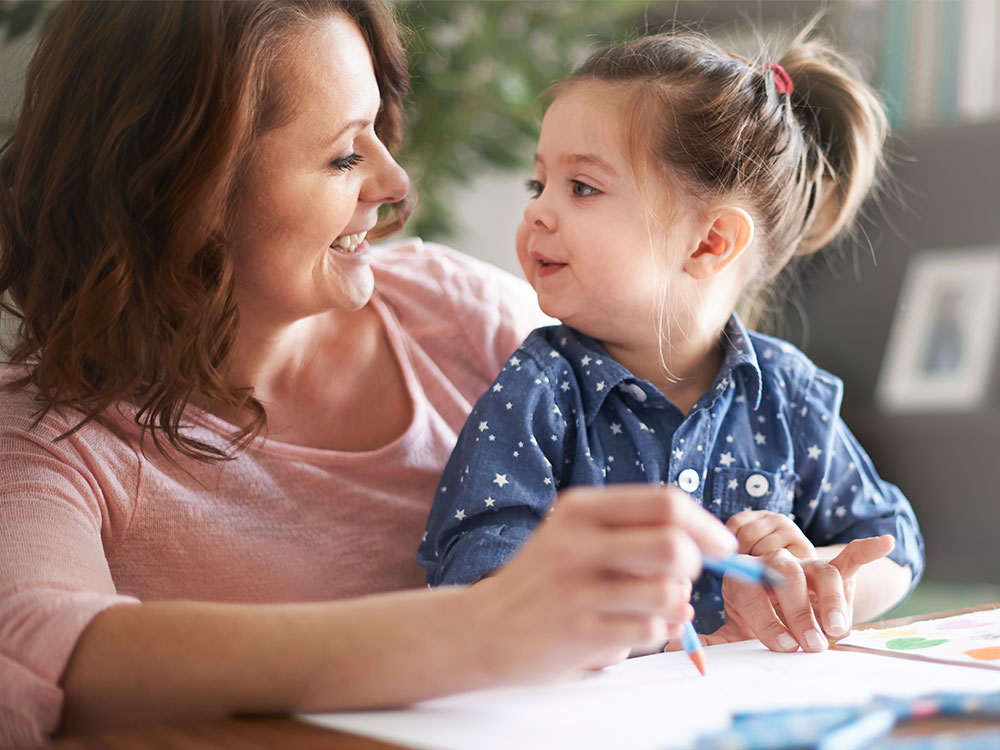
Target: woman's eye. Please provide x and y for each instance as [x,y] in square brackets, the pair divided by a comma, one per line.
[583,190]
[347,163]
[534,188]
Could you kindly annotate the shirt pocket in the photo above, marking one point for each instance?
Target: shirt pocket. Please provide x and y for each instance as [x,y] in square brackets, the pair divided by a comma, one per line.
[737,489]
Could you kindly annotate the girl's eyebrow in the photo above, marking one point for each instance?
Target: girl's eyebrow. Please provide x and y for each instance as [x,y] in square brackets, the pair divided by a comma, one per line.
[588,159]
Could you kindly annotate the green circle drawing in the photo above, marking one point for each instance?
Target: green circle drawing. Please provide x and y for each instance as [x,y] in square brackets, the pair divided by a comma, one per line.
[910,644]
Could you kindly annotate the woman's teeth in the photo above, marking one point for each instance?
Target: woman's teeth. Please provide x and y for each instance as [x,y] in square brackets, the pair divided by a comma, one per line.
[349,242]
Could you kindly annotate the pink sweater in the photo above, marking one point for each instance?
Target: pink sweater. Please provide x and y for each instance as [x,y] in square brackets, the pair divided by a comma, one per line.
[93,521]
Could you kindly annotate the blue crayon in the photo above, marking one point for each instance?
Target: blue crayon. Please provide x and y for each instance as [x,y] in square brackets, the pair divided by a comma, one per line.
[747,568]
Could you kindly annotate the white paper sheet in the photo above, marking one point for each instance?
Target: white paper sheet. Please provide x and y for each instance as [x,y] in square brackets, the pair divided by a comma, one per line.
[656,701]
[972,638]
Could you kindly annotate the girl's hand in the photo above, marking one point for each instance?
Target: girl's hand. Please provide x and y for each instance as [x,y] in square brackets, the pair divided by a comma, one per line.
[760,531]
[609,569]
[815,602]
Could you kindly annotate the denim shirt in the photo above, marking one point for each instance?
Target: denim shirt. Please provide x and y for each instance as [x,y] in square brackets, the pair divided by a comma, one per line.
[562,413]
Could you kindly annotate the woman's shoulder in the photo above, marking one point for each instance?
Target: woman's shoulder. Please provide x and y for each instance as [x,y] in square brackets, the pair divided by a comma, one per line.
[23,420]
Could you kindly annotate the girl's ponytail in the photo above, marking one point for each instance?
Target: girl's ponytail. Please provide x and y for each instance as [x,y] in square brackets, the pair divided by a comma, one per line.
[845,125]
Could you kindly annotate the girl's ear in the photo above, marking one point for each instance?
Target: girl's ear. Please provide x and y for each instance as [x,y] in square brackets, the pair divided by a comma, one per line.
[728,233]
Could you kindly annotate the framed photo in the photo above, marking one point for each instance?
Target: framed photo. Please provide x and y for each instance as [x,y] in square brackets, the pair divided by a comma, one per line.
[942,340]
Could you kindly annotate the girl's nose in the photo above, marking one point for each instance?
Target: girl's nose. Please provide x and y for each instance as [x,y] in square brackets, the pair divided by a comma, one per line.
[538,214]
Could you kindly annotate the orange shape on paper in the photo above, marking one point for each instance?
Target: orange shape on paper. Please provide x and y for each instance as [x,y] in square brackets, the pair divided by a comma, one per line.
[988,653]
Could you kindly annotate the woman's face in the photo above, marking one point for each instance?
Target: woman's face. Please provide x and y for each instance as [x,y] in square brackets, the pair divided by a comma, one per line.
[314,184]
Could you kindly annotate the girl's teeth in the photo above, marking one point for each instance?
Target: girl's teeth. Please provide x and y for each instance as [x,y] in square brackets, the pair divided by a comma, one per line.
[349,242]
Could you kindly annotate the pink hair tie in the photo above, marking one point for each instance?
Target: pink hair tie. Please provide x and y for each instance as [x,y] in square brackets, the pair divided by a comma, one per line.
[782,81]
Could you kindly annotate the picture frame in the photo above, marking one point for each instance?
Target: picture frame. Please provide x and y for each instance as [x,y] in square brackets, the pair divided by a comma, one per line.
[943,334]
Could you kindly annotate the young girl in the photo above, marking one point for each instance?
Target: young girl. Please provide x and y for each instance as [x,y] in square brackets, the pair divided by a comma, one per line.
[672,180]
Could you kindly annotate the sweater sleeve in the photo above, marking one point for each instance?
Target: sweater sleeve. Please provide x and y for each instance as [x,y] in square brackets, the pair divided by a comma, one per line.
[59,501]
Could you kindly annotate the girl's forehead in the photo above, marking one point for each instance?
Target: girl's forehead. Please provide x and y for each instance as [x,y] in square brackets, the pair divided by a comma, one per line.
[590,113]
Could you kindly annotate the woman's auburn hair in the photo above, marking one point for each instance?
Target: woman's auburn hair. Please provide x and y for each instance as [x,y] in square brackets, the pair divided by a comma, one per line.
[118,181]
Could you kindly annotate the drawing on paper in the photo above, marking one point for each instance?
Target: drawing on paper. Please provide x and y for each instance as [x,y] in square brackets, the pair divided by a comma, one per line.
[972,639]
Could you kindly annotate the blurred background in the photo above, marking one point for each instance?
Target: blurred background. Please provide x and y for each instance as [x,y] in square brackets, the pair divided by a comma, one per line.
[905,311]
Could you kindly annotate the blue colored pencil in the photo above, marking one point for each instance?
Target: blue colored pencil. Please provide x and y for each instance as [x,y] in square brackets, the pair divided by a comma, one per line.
[746,568]
[691,644]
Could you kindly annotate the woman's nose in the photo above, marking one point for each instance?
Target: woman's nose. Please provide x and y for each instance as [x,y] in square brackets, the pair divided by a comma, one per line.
[387,182]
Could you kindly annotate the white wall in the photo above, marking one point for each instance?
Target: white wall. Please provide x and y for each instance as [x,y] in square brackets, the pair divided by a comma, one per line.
[488,212]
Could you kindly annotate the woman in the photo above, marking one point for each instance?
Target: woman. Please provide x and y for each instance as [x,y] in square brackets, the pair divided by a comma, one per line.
[226,412]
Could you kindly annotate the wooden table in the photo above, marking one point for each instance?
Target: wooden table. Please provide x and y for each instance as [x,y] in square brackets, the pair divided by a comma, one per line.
[285,732]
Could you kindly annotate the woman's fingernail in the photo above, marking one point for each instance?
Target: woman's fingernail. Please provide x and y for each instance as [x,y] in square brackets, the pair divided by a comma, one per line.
[786,642]
[815,640]
[838,622]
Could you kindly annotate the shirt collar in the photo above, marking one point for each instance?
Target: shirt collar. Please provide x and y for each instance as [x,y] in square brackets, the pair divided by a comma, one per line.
[740,356]
[598,373]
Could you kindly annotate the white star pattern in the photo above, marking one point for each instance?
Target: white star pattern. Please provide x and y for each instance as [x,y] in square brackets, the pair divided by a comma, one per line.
[585,437]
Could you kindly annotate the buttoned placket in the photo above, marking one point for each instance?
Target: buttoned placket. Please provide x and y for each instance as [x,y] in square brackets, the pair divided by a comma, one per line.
[689,453]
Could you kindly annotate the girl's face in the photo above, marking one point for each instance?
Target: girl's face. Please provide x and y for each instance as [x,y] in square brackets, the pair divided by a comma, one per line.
[314,185]
[598,249]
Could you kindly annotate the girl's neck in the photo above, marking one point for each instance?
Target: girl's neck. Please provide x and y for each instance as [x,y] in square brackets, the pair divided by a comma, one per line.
[684,373]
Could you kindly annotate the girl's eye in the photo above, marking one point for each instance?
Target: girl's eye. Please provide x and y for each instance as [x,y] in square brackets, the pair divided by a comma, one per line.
[583,190]
[534,188]
[347,163]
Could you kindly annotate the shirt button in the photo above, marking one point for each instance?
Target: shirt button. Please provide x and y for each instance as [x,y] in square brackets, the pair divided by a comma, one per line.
[634,391]
[688,480]
[756,485]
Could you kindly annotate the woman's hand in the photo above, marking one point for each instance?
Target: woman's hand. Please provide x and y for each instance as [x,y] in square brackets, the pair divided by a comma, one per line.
[815,602]
[760,531]
[608,570]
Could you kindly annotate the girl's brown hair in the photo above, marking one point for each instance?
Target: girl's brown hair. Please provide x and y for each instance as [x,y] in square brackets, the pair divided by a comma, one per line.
[116,186]
[721,127]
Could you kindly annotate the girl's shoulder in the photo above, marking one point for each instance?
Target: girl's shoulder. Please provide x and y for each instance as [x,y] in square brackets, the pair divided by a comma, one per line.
[783,365]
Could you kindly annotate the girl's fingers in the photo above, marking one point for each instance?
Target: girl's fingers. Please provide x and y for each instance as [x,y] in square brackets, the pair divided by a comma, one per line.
[757,614]
[860,552]
[830,602]
[793,600]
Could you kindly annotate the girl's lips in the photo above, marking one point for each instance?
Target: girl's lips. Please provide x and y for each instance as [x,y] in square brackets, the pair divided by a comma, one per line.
[547,269]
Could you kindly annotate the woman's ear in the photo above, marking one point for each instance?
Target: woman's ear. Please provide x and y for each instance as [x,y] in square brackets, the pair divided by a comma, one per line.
[728,233]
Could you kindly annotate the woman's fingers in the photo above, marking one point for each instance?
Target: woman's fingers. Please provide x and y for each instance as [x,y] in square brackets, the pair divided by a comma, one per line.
[649,505]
